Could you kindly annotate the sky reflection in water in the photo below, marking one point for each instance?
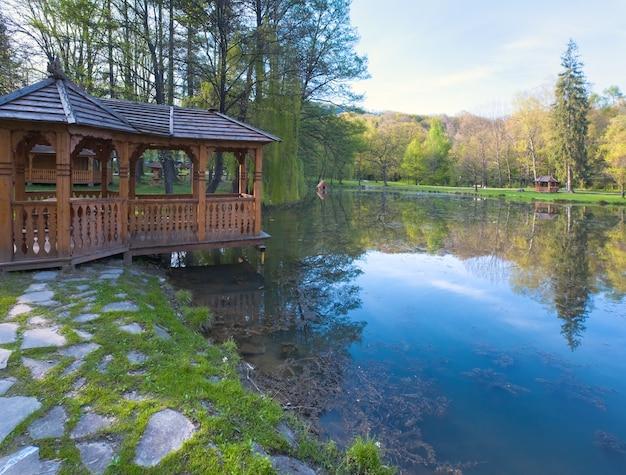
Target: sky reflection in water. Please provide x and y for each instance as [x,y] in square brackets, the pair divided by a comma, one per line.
[521,401]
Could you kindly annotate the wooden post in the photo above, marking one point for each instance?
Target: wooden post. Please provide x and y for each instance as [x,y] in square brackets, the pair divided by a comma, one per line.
[19,164]
[199,188]
[241,159]
[122,150]
[257,154]
[132,177]
[105,153]
[6,196]
[63,193]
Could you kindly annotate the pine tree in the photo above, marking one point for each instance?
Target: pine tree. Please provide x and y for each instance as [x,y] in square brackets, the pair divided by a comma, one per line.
[570,117]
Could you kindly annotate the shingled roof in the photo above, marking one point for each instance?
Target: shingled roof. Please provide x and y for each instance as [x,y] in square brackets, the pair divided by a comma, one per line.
[187,123]
[57,100]
[60,101]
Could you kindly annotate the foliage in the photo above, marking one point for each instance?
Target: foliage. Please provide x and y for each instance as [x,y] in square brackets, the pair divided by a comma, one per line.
[413,161]
[363,458]
[614,148]
[387,138]
[436,148]
[570,118]
[183,297]
[198,318]
[329,142]
[529,126]
[11,75]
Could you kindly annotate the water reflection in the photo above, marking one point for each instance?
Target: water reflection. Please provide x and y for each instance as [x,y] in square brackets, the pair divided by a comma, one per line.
[427,321]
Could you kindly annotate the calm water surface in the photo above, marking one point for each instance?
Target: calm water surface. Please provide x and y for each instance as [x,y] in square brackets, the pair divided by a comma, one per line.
[478,336]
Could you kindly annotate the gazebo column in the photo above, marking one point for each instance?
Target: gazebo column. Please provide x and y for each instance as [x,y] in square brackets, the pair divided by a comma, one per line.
[6,196]
[63,194]
[123,157]
[257,154]
[104,156]
[241,159]
[20,176]
[199,188]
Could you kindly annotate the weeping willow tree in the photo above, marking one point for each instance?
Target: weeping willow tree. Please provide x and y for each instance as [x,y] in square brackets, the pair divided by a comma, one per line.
[283,176]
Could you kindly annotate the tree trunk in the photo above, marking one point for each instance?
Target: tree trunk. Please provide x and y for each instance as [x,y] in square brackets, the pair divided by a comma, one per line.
[216,178]
[169,171]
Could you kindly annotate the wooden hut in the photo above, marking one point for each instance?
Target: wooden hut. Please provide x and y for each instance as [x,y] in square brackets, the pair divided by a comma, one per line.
[68,226]
[547,184]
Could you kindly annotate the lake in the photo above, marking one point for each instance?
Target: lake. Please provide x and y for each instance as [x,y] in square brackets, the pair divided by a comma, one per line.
[466,336]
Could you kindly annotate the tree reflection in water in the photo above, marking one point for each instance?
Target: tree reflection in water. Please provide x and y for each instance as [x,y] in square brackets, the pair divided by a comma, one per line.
[293,324]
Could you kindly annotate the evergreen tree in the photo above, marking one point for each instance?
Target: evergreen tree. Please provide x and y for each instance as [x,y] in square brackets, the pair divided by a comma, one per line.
[570,117]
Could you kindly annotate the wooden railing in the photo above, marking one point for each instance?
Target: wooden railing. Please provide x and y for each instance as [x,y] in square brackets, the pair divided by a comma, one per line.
[79,177]
[96,225]
[51,194]
[91,194]
[34,230]
[40,195]
[229,217]
[158,222]
[41,175]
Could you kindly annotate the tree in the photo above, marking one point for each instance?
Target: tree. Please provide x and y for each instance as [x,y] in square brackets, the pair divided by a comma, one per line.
[387,138]
[529,124]
[329,142]
[472,142]
[614,149]
[10,76]
[324,52]
[436,149]
[413,161]
[570,117]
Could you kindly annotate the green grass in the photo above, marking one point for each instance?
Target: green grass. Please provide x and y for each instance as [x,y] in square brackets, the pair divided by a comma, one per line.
[528,195]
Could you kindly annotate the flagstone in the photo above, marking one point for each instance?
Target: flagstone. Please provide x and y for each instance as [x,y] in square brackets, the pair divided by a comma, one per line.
[165,433]
[38,368]
[90,424]
[132,328]
[14,410]
[19,309]
[4,357]
[42,337]
[41,298]
[8,333]
[124,306]
[5,385]
[50,425]
[96,456]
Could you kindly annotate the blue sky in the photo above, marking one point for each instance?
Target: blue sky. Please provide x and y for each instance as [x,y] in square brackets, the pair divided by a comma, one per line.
[431,56]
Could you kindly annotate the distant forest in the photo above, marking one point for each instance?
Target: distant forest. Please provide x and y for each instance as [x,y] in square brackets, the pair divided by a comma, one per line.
[286,66]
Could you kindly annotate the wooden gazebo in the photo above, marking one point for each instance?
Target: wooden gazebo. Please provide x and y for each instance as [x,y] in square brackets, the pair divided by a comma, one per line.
[67,226]
[547,184]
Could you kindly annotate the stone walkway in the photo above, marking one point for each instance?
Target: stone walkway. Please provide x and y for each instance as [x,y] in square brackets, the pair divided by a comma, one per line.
[45,342]
[166,431]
